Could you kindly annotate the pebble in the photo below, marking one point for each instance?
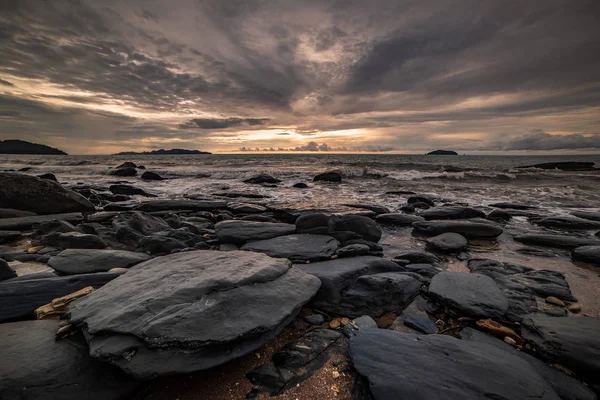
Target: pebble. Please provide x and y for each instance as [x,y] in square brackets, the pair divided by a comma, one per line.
[555,301]
[334,324]
[510,341]
[35,249]
[574,308]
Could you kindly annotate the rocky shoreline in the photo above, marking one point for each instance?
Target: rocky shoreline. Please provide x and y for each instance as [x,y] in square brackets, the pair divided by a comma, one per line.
[231,295]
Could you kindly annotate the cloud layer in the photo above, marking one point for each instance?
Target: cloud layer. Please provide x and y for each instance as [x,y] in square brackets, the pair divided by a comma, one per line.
[383,75]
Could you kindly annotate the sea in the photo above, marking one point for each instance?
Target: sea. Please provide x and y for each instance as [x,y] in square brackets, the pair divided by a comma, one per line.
[474,180]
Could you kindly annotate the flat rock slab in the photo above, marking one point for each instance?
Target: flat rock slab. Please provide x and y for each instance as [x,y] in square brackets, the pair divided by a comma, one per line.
[339,277]
[469,229]
[571,341]
[19,297]
[298,247]
[36,366]
[84,261]
[30,193]
[568,222]
[168,205]
[448,242]
[398,219]
[452,212]
[471,295]
[593,216]
[25,223]
[589,254]
[9,236]
[559,241]
[238,231]
[191,311]
[399,365]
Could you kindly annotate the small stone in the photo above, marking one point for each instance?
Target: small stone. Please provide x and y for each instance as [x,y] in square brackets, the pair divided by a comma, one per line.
[555,301]
[336,374]
[315,319]
[117,269]
[510,341]
[334,324]
[335,389]
[257,355]
[35,249]
[345,321]
[574,308]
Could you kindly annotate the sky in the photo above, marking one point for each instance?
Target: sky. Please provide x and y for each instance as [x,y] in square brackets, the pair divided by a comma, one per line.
[98,77]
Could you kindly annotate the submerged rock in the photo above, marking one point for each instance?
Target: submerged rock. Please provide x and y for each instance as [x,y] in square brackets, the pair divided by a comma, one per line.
[469,294]
[151,176]
[448,242]
[129,190]
[30,193]
[328,177]
[36,366]
[238,231]
[565,222]
[191,311]
[123,172]
[398,365]
[560,241]
[468,229]
[398,219]
[452,212]
[262,178]
[299,247]
[83,261]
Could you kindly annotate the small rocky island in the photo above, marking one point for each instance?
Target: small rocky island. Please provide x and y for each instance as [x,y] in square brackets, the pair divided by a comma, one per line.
[16,146]
[442,153]
[162,152]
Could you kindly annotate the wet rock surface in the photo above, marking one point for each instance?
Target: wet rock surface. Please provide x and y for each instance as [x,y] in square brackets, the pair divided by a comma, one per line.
[221,305]
[559,241]
[448,242]
[299,247]
[83,261]
[237,231]
[468,229]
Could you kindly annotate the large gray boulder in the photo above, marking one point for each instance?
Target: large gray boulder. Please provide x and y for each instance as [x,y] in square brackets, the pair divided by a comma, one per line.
[469,229]
[36,366]
[572,341]
[346,289]
[471,295]
[395,365]
[84,261]
[238,231]
[19,297]
[560,241]
[298,247]
[30,193]
[589,254]
[191,311]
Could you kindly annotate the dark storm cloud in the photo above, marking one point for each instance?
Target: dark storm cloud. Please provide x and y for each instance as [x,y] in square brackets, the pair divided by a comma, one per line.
[307,66]
[208,123]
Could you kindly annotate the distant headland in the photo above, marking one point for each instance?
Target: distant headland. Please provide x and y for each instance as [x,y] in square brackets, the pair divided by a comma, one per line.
[161,152]
[442,153]
[16,146]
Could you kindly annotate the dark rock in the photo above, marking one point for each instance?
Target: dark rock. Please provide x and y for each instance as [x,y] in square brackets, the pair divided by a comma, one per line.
[235,195]
[191,311]
[246,208]
[469,229]
[514,206]
[566,222]
[400,192]
[307,222]
[6,272]
[589,254]
[560,241]
[12,213]
[9,236]
[15,146]
[36,366]
[471,295]
[563,166]
[532,251]
[364,322]
[345,291]
[50,177]
[425,270]
[592,216]
[572,342]
[328,177]
[19,297]
[442,153]
[448,242]
[565,386]
[301,185]
[297,361]
[172,205]
[418,257]
[129,190]
[315,319]
[364,226]
[130,227]
[30,193]
[404,366]
[398,219]
[408,208]
[343,236]
[499,215]
[258,218]
[353,250]
[421,324]
[236,231]
[262,178]
[126,164]
[83,261]
[160,245]
[53,226]
[452,212]
[123,172]
[77,240]
[376,209]
[420,199]
[298,247]
[151,176]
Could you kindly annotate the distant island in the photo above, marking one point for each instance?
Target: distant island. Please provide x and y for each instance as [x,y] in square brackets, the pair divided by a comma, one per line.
[22,147]
[161,152]
[442,153]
